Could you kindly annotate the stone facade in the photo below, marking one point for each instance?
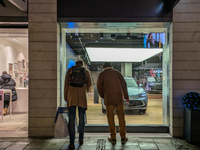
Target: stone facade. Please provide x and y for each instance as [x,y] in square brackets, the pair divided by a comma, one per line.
[44,60]
[185,60]
[44,63]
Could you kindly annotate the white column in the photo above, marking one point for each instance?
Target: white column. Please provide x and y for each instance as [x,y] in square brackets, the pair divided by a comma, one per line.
[126,69]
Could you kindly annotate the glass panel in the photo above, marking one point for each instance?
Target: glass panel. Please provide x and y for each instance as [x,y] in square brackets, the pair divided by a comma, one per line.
[138,50]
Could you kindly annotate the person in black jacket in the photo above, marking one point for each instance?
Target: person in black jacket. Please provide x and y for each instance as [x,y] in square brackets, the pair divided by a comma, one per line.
[6,82]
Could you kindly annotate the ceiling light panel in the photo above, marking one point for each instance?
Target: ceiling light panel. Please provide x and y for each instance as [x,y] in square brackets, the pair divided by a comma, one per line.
[102,54]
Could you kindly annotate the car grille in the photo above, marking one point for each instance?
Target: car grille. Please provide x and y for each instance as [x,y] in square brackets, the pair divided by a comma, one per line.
[135,103]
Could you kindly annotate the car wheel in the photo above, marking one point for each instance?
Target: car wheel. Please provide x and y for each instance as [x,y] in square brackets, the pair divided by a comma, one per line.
[103,110]
[142,111]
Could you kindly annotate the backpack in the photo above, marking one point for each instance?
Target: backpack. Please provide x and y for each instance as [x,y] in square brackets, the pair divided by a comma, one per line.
[78,77]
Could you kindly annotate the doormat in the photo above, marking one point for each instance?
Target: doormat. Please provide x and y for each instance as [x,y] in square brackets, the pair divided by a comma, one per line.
[178,144]
[101,144]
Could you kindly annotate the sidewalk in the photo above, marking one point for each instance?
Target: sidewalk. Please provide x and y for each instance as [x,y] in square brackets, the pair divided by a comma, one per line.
[98,141]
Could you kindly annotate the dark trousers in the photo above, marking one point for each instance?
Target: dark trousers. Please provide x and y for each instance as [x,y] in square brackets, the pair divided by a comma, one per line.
[6,104]
[71,125]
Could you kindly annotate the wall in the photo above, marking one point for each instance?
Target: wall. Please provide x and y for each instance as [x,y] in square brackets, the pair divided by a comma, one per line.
[11,53]
[185,59]
[44,65]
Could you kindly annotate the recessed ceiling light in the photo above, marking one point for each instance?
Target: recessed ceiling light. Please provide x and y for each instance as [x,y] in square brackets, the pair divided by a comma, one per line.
[102,54]
[15,40]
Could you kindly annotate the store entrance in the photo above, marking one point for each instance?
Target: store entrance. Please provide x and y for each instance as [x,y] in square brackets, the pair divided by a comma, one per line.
[138,50]
[14,61]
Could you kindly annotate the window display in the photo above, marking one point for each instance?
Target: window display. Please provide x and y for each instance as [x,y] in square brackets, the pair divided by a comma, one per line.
[138,56]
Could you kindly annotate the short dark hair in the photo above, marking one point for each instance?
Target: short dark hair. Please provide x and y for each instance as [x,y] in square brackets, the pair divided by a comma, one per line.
[4,72]
[79,63]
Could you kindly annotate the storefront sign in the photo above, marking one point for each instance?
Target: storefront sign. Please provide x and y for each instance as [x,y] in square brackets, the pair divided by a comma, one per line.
[157,71]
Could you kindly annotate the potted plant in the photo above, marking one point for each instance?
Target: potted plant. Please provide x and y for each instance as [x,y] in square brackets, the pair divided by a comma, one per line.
[191,103]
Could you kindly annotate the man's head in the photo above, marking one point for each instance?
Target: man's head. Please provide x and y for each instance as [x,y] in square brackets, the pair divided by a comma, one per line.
[4,72]
[79,63]
[107,64]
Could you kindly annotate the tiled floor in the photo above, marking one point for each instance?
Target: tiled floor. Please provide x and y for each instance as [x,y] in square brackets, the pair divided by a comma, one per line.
[153,114]
[99,141]
[17,126]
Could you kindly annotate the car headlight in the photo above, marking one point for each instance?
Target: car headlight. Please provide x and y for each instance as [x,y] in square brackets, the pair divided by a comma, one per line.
[142,94]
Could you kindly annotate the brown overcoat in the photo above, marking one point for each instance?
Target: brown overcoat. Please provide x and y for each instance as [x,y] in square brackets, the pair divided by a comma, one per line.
[112,87]
[76,96]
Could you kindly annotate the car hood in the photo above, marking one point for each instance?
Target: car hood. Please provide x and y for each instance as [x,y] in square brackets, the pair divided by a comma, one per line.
[134,91]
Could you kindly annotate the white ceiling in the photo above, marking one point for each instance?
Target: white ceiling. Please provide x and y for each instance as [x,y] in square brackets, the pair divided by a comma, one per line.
[17,36]
[23,42]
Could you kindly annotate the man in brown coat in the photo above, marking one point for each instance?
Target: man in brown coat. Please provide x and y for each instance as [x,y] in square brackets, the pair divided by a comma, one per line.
[112,88]
[76,95]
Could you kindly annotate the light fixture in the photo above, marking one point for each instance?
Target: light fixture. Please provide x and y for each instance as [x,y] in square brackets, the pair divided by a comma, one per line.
[128,36]
[15,40]
[102,54]
[101,36]
[113,36]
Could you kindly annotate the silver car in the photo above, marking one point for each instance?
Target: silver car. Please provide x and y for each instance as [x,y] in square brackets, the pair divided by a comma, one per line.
[137,96]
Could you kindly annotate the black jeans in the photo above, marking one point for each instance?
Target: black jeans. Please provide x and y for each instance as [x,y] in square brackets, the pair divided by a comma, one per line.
[6,104]
[71,125]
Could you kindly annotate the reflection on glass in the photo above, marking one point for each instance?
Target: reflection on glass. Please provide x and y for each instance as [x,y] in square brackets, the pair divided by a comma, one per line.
[145,76]
[131,83]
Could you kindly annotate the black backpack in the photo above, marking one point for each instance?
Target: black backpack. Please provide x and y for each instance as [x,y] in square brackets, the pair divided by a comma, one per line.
[78,77]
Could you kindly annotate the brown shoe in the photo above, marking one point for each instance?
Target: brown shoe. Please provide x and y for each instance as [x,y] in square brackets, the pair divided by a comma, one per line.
[124,140]
[81,142]
[113,141]
[5,111]
[71,147]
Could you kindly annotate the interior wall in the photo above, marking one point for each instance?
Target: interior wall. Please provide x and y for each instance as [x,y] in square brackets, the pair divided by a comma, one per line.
[11,53]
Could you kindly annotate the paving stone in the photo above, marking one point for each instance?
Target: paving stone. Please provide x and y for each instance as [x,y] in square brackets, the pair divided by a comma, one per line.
[130,147]
[87,147]
[25,140]
[164,144]
[33,148]
[17,147]
[58,140]
[38,144]
[4,145]
[9,139]
[65,146]
[90,143]
[147,144]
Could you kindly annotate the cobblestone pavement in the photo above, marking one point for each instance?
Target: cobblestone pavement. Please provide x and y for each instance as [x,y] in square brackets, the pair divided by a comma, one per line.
[97,143]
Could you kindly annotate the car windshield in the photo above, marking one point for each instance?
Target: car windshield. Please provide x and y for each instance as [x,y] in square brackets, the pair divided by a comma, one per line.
[131,83]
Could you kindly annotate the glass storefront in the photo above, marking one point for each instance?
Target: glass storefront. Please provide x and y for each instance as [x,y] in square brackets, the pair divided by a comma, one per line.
[138,50]
[14,60]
